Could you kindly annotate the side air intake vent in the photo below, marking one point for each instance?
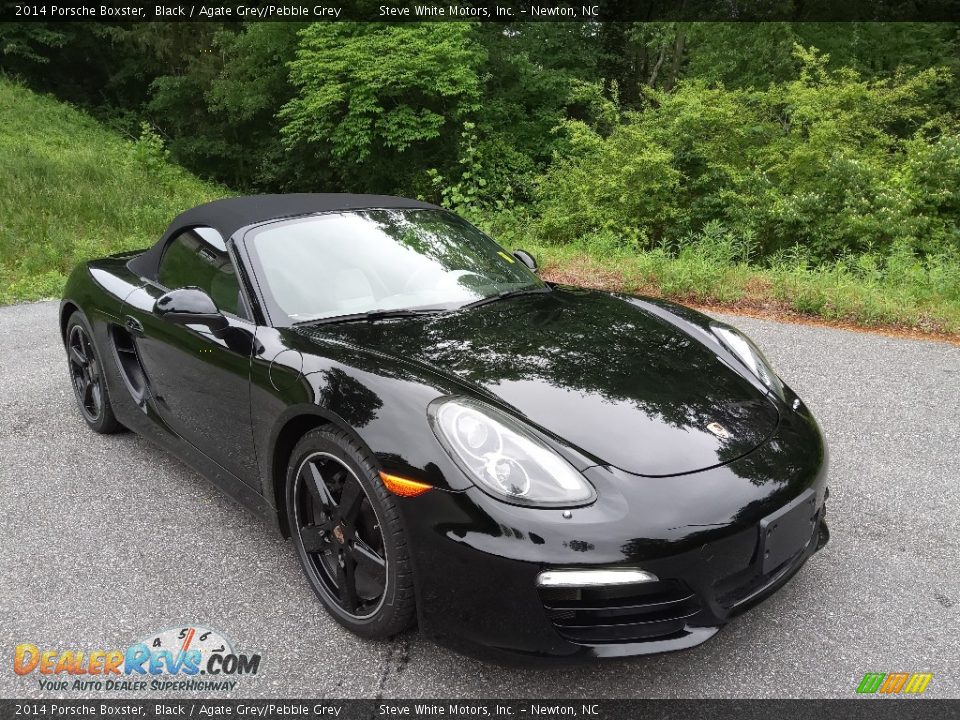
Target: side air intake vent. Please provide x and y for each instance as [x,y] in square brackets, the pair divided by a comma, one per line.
[620,614]
[129,363]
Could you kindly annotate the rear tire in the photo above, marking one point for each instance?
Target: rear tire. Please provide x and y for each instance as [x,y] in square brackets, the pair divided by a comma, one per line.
[86,375]
[348,535]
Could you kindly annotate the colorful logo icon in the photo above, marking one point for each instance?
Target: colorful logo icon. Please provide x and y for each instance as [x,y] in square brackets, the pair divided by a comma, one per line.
[185,651]
[894,683]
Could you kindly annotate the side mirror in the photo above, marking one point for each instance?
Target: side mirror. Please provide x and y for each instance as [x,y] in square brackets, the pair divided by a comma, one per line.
[526,258]
[191,306]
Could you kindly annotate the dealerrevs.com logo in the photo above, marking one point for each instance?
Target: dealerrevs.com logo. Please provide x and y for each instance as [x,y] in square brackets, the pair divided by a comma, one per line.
[187,659]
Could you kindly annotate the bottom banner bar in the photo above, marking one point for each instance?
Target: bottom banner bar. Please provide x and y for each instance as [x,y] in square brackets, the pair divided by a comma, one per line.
[854,709]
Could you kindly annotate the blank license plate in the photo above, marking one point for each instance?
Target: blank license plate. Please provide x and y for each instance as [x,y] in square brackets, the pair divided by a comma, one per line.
[787,531]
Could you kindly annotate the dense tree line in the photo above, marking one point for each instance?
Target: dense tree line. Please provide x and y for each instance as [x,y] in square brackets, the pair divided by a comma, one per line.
[836,137]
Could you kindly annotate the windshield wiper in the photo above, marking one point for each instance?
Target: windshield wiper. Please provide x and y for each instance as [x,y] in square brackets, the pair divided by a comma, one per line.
[504,295]
[371,316]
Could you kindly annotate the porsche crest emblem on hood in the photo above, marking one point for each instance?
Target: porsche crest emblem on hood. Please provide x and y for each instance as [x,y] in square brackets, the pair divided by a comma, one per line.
[719,430]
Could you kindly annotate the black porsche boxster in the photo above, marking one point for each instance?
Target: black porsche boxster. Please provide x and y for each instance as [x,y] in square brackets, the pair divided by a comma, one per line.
[525,469]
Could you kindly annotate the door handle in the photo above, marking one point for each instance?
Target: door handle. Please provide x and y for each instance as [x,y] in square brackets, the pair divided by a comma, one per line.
[133,325]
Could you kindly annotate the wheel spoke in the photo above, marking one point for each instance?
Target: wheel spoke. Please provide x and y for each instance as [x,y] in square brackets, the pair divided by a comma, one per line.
[366,557]
[346,583]
[77,356]
[95,397]
[318,488]
[350,500]
[86,391]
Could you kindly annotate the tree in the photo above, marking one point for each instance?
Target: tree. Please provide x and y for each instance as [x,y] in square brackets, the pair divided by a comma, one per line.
[382,102]
[27,44]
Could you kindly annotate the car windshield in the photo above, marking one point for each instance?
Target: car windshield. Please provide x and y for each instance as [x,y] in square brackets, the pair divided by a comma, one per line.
[361,261]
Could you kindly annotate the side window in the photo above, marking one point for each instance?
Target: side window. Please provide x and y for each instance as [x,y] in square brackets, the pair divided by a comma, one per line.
[198,257]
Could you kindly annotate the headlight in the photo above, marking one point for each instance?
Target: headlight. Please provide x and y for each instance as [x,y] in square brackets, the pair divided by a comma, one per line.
[750,355]
[504,458]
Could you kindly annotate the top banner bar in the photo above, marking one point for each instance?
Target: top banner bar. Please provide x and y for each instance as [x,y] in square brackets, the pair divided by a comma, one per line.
[502,11]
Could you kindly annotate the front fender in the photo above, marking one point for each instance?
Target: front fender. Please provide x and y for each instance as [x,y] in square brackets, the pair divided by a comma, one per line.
[379,401]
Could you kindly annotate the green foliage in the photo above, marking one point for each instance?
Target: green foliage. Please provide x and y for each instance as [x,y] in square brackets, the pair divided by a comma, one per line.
[826,160]
[817,161]
[754,55]
[242,103]
[743,55]
[70,190]
[150,153]
[468,193]
[535,77]
[603,182]
[463,195]
[252,81]
[195,136]
[27,44]
[376,99]
[898,289]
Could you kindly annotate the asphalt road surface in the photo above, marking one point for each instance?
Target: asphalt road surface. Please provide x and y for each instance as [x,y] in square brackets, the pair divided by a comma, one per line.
[107,540]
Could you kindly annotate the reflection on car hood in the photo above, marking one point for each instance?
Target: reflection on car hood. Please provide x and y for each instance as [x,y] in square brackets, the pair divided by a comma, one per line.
[608,377]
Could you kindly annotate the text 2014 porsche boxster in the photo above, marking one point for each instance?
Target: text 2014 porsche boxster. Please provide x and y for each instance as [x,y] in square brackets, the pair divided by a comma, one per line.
[527,470]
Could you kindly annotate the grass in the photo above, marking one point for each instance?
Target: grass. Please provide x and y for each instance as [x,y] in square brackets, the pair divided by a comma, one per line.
[899,292]
[70,189]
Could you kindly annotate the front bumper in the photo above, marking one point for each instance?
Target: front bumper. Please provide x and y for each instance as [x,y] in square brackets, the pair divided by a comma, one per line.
[477,560]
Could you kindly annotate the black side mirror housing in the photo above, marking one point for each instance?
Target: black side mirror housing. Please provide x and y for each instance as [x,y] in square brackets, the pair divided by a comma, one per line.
[526,258]
[191,306]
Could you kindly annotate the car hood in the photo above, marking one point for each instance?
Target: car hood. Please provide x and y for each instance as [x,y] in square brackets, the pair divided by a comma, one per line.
[615,381]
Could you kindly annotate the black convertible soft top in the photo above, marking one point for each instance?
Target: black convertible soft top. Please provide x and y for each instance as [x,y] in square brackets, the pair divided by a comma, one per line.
[231,214]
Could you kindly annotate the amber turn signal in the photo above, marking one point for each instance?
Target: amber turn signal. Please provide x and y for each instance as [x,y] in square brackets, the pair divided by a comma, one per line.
[404,487]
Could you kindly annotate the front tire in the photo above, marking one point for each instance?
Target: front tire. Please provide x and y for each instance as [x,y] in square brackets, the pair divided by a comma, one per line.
[348,535]
[87,378]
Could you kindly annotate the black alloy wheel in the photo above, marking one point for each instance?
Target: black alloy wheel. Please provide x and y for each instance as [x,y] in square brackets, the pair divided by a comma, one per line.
[86,375]
[340,534]
[348,535]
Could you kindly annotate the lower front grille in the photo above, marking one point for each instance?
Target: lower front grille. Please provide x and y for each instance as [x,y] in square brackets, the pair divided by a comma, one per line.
[619,614]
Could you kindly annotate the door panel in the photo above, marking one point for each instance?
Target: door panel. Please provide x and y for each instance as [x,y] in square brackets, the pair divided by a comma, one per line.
[200,384]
